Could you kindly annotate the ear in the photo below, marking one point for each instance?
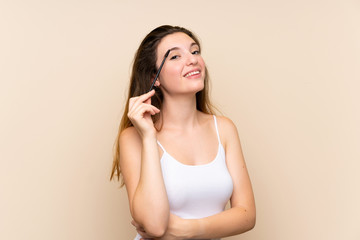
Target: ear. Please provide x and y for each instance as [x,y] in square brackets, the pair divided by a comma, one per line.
[157,83]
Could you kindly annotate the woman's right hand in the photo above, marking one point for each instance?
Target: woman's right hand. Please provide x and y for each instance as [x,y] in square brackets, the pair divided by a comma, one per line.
[140,111]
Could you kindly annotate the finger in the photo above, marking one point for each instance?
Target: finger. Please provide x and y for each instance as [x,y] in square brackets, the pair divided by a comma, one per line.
[141,110]
[140,99]
[132,101]
[134,109]
[144,97]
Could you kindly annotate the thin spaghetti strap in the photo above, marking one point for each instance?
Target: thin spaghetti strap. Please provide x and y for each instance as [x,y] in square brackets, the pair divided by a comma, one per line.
[161,146]
[217,130]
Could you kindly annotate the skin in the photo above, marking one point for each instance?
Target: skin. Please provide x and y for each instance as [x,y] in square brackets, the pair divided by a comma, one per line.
[190,137]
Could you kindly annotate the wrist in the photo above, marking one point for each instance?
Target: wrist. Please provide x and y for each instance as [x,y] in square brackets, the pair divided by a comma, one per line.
[193,228]
[149,137]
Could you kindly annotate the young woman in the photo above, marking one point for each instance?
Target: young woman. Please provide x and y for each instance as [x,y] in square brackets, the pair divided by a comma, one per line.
[180,163]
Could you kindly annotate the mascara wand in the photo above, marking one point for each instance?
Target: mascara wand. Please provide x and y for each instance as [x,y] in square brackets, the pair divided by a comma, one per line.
[158,72]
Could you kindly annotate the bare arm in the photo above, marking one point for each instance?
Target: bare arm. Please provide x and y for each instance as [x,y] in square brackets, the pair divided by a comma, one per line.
[140,166]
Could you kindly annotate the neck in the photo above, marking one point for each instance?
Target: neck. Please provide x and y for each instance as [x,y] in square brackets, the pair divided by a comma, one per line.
[179,113]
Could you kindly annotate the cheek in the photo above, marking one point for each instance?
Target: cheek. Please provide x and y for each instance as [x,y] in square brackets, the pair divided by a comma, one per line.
[172,72]
[201,61]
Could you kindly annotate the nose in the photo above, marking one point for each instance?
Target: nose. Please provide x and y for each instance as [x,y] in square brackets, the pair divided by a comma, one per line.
[192,59]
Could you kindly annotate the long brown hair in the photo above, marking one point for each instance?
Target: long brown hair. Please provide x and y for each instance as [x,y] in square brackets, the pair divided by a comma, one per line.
[144,68]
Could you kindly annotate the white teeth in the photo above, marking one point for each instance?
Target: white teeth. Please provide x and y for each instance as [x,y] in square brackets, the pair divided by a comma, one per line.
[192,73]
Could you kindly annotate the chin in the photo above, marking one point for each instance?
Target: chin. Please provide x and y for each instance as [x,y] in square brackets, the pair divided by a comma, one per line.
[198,88]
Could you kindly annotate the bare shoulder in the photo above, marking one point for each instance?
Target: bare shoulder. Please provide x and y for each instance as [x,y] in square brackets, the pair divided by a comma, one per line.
[225,123]
[129,140]
[227,130]
[226,126]
[130,134]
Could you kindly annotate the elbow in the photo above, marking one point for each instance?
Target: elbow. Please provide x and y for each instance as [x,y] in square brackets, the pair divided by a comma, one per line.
[154,226]
[155,230]
[155,223]
[251,221]
[248,221]
[156,233]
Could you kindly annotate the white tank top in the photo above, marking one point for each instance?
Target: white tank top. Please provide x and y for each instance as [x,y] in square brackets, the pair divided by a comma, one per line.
[197,191]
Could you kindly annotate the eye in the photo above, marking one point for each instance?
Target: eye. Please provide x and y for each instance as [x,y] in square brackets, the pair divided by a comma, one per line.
[196,52]
[174,57]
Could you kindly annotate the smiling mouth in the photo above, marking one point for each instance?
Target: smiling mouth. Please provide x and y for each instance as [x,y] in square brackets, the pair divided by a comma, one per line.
[192,73]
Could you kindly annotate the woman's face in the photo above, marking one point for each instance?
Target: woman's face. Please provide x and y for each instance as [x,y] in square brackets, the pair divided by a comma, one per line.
[184,69]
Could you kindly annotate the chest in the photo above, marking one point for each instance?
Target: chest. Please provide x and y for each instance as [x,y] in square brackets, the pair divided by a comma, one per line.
[197,149]
[197,191]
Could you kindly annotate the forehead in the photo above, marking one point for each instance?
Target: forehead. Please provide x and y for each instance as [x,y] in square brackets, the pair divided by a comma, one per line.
[178,39]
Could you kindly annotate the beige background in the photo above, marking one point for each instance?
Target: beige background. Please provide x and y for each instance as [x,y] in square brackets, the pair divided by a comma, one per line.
[286,72]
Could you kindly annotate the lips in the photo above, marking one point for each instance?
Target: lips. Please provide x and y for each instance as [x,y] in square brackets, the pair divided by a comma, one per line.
[192,72]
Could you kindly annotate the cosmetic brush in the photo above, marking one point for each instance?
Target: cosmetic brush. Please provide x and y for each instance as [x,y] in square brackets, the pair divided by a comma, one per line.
[158,72]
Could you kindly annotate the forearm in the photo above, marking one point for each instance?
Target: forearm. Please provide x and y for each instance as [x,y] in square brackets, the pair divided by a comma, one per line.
[230,222]
[150,206]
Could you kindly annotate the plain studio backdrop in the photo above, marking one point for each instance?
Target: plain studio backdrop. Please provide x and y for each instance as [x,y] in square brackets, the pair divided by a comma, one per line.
[286,72]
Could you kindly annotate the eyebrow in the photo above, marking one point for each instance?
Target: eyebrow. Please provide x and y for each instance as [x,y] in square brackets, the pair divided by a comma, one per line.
[176,48]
